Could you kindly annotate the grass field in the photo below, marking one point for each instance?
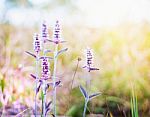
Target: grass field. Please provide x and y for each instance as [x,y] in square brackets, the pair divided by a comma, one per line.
[122,54]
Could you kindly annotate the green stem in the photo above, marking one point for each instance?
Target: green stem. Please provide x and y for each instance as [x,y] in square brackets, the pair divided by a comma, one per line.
[44,89]
[37,73]
[54,80]
[85,106]
[74,76]
[88,82]
[134,104]
[44,98]
[72,81]
[3,111]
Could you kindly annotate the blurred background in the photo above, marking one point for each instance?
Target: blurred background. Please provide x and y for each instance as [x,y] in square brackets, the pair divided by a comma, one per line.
[118,31]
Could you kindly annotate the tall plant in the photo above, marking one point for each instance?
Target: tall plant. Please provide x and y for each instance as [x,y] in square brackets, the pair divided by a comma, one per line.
[37,46]
[85,91]
[41,81]
[57,40]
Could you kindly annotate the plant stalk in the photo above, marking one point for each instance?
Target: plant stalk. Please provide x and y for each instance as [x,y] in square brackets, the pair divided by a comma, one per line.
[36,82]
[88,83]
[44,90]
[72,81]
[54,80]
[44,98]
[85,106]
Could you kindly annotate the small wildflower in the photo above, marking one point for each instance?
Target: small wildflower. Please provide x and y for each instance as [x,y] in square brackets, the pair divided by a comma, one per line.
[45,68]
[37,43]
[57,34]
[85,91]
[89,57]
[89,60]
[44,32]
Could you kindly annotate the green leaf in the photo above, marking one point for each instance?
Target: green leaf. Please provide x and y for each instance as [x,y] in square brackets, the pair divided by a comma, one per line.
[2,84]
[83,91]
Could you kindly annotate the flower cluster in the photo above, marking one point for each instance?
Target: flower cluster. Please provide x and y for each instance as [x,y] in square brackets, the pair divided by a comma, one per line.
[37,43]
[43,82]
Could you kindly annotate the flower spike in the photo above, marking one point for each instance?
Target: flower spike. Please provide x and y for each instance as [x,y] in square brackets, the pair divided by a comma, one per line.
[37,43]
[57,34]
[45,68]
[89,60]
[44,32]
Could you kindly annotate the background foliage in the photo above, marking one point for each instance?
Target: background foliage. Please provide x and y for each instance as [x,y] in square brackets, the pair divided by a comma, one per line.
[122,53]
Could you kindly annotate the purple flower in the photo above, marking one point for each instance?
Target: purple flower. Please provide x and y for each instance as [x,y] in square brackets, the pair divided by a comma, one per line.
[57,34]
[89,57]
[44,32]
[89,60]
[45,68]
[37,43]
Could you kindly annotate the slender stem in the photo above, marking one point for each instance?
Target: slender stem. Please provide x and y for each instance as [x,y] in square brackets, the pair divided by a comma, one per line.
[54,80]
[88,82]
[36,82]
[134,104]
[85,106]
[72,81]
[44,98]
[20,113]
[44,89]
[74,76]
[3,111]
[107,109]
[42,102]
[88,90]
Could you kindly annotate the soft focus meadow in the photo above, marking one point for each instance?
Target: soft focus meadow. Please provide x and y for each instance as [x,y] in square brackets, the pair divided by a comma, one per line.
[121,51]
